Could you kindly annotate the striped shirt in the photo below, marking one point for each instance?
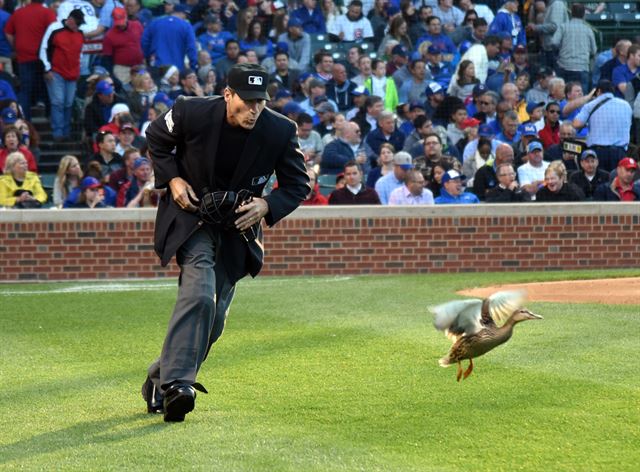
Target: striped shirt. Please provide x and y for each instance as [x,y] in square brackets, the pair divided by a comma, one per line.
[577,45]
[610,125]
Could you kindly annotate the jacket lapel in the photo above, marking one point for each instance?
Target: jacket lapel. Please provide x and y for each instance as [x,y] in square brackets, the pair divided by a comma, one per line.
[218,115]
[250,153]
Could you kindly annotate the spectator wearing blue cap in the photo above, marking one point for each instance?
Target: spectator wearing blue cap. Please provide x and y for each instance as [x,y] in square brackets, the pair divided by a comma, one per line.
[6,90]
[90,195]
[414,90]
[531,173]
[98,111]
[213,40]
[359,96]
[508,21]
[298,42]
[402,163]
[398,59]
[139,190]
[589,177]
[310,15]
[472,103]
[437,38]
[452,191]
[440,71]
[535,110]
[528,132]
[168,39]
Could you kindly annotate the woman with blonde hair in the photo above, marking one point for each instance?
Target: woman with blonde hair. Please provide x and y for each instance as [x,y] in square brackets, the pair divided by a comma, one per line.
[556,188]
[141,98]
[67,178]
[398,30]
[20,188]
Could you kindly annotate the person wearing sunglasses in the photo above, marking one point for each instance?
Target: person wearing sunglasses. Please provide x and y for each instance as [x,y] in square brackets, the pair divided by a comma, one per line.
[550,133]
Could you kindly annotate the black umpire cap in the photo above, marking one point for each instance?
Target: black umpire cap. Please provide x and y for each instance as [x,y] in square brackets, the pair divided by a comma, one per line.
[78,16]
[249,81]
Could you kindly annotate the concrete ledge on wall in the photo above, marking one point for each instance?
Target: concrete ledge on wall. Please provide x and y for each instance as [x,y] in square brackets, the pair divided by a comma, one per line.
[118,243]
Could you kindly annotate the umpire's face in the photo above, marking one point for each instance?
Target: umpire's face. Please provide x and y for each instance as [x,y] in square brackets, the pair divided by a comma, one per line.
[241,112]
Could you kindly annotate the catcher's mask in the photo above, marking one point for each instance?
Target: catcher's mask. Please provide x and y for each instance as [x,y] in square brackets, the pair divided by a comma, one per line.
[219,208]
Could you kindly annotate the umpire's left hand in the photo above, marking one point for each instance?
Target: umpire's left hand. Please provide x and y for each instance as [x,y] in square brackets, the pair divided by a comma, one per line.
[253,211]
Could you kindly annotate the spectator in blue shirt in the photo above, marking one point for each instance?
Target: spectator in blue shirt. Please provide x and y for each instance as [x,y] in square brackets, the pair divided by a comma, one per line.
[215,38]
[311,17]
[508,21]
[169,38]
[5,48]
[624,74]
[438,39]
[452,191]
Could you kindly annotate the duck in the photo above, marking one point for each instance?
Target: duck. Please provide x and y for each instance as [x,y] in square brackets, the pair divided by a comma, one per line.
[473,325]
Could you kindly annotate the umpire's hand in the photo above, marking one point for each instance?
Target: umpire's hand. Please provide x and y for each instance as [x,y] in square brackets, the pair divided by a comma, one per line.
[253,211]
[183,194]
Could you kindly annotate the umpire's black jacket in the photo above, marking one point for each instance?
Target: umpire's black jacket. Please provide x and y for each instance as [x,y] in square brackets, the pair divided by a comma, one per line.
[183,143]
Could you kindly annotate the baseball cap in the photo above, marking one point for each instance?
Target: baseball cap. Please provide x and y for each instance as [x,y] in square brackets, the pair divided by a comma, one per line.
[485,131]
[128,126]
[392,10]
[283,93]
[119,16]
[8,116]
[360,90]
[140,162]
[278,4]
[399,50]
[520,49]
[182,8]
[479,89]
[282,46]
[324,107]
[291,107]
[534,146]
[403,159]
[304,76]
[451,175]
[319,100]
[544,72]
[433,49]
[105,88]
[416,106]
[533,105]
[162,97]
[117,109]
[295,21]
[433,88]
[249,81]
[586,154]
[470,123]
[628,163]
[78,16]
[90,182]
[528,130]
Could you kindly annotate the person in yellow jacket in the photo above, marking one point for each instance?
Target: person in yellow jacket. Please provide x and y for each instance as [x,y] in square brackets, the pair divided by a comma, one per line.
[382,86]
[20,188]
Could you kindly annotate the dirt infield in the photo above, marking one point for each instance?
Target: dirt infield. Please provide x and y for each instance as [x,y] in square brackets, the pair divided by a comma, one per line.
[624,291]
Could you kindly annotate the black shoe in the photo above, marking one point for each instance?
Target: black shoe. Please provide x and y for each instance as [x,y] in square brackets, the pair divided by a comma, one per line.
[152,396]
[179,399]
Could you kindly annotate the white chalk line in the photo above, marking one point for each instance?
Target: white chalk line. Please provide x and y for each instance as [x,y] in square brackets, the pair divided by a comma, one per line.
[90,288]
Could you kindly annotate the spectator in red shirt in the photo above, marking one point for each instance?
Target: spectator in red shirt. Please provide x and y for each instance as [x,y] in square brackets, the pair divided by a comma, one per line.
[24,31]
[122,45]
[60,53]
[550,134]
[314,197]
[11,143]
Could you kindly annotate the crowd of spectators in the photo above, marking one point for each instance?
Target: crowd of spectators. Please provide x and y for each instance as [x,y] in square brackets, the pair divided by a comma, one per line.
[397,102]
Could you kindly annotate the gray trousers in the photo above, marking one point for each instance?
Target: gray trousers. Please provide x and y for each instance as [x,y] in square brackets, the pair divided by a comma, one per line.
[204,297]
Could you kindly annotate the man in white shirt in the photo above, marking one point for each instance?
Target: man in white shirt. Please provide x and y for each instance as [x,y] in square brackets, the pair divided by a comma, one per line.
[353,26]
[412,192]
[531,174]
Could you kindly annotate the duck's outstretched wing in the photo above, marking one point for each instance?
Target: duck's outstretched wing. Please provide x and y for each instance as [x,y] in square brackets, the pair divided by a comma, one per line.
[458,318]
[499,306]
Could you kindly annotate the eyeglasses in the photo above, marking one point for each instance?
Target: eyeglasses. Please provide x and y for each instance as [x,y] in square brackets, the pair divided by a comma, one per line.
[553,111]
[484,103]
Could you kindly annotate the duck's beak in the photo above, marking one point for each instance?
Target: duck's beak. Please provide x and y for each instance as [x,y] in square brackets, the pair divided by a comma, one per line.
[533,316]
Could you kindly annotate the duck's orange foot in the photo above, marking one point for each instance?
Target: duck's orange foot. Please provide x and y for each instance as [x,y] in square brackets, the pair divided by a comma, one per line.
[467,372]
[459,375]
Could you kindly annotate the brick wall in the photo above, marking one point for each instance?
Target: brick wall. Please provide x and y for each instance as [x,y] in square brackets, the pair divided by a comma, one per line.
[77,244]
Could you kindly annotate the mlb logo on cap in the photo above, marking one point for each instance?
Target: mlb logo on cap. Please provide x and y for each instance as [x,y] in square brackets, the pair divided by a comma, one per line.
[255,80]
[249,81]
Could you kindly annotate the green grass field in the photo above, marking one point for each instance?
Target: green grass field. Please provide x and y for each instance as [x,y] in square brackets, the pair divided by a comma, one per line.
[318,374]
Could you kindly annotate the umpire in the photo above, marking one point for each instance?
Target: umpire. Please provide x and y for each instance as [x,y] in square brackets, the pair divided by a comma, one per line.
[215,150]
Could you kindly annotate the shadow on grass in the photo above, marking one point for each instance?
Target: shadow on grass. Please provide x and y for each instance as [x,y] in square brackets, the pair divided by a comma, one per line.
[109,430]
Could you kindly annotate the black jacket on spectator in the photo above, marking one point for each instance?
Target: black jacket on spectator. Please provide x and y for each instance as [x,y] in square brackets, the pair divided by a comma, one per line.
[587,186]
[505,195]
[484,180]
[94,117]
[554,153]
[567,193]
[341,94]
